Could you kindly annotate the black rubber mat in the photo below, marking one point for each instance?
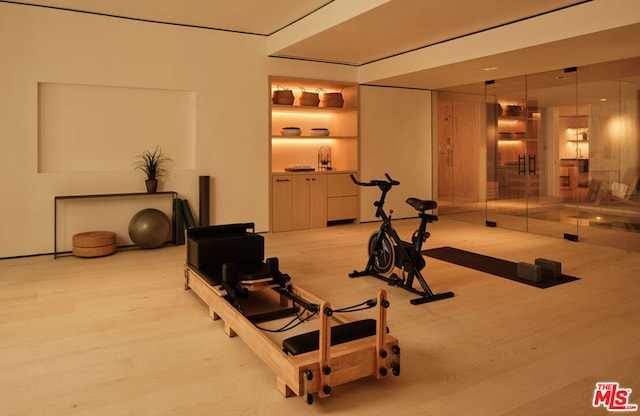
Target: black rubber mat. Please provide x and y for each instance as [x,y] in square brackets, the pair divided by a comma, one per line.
[491,265]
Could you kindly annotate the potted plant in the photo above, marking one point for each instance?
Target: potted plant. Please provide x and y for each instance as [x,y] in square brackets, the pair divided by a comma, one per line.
[154,165]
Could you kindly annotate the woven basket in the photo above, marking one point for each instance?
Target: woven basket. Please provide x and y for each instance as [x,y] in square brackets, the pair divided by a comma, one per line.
[332,99]
[310,99]
[282,97]
[94,244]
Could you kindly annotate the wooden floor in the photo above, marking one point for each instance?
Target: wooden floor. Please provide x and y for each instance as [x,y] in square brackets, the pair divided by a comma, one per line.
[118,335]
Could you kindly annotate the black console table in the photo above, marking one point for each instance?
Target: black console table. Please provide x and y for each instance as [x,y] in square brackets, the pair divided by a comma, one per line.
[172,194]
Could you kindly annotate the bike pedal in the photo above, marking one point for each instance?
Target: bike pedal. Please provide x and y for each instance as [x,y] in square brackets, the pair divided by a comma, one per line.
[395,280]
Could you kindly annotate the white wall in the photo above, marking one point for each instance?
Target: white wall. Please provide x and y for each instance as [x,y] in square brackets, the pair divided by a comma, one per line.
[227,73]
[395,131]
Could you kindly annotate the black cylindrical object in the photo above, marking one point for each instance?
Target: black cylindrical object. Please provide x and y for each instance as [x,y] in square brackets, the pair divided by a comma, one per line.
[204,200]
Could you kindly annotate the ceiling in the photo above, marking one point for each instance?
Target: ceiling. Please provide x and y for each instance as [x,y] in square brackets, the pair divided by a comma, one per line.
[367,33]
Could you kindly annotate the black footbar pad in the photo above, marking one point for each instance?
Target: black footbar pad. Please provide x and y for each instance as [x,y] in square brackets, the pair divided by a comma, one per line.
[246,271]
[310,341]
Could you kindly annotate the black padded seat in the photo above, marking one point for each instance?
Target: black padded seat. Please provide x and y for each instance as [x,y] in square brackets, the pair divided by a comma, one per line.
[422,204]
[340,334]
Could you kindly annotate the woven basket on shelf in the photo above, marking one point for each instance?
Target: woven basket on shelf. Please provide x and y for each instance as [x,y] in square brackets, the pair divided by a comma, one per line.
[332,99]
[282,96]
[310,99]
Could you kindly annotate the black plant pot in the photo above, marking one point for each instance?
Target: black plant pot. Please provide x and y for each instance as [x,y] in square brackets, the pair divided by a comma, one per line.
[152,185]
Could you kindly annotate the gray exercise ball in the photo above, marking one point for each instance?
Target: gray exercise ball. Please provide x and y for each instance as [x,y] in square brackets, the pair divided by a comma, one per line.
[150,228]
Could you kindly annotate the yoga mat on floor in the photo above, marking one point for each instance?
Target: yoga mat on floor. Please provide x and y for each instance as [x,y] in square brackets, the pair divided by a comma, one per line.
[492,265]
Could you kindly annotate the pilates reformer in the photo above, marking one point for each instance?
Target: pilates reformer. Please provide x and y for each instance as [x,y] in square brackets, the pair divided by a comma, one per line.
[226,268]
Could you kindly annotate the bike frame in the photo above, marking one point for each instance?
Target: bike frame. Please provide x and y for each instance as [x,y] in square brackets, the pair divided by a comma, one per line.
[401,247]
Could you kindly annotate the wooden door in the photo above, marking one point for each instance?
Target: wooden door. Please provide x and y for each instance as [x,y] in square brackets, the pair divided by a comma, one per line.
[300,201]
[282,203]
[459,135]
[466,140]
[445,150]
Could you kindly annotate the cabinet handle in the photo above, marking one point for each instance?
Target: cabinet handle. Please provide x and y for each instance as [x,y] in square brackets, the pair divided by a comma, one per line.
[282,180]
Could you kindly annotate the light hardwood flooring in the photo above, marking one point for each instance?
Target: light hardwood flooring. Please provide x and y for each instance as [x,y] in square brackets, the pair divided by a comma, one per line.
[119,336]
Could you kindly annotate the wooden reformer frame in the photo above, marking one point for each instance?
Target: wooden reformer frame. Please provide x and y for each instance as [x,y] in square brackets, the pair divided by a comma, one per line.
[308,373]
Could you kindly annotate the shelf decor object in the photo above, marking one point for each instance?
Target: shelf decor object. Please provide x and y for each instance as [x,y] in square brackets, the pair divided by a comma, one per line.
[309,99]
[332,99]
[324,158]
[282,96]
[154,165]
[291,131]
[319,132]
[514,111]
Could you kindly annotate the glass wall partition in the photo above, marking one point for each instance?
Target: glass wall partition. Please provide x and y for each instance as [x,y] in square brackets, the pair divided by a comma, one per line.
[560,154]
[511,152]
[556,123]
[611,201]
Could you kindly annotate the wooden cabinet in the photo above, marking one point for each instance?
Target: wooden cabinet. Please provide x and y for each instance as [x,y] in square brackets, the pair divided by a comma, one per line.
[342,197]
[309,201]
[299,201]
[281,203]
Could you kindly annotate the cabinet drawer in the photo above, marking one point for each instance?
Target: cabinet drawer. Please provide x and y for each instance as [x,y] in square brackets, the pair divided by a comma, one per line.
[342,208]
[341,185]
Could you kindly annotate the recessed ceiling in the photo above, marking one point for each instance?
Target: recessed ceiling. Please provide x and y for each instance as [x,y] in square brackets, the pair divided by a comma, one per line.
[247,16]
[365,34]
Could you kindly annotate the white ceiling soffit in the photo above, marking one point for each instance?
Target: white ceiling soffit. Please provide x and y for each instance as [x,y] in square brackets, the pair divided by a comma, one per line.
[579,51]
[358,32]
[247,16]
[521,48]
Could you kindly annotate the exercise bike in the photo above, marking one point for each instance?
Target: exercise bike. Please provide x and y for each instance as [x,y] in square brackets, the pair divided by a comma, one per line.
[386,250]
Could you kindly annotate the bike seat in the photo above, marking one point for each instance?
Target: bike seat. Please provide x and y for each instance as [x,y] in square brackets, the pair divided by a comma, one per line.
[421,204]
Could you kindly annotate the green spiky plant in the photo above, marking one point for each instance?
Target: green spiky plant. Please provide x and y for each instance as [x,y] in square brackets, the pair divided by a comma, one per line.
[153,164]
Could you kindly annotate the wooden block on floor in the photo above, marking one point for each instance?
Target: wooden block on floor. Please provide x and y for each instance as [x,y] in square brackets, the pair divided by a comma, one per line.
[550,268]
[529,271]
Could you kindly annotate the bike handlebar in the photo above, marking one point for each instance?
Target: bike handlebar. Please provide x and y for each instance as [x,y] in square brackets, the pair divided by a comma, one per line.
[377,182]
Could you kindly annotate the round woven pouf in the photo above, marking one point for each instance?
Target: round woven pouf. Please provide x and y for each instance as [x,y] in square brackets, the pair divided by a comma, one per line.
[150,228]
[94,244]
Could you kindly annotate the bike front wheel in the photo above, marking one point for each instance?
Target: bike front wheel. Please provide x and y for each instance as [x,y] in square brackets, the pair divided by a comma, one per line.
[381,253]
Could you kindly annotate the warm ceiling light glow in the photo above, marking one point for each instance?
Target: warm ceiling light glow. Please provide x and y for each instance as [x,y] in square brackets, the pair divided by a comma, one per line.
[301,140]
[310,113]
[508,122]
[603,99]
